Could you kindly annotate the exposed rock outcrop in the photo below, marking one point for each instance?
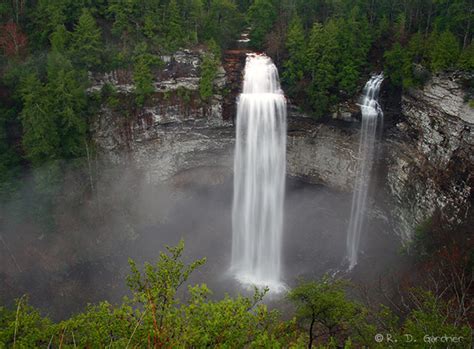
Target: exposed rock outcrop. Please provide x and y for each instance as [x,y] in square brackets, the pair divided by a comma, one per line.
[322,154]
[431,160]
[175,131]
[176,134]
[176,137]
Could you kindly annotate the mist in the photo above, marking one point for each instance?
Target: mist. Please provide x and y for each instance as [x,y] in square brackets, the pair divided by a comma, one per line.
[78,231]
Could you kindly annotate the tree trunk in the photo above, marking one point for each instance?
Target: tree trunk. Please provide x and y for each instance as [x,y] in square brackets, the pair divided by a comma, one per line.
[310,344]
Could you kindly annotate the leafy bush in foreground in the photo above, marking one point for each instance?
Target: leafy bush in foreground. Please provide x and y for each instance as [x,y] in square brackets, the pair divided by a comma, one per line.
[155,317]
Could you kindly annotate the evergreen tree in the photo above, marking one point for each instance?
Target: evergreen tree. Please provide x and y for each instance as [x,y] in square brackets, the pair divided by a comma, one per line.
[398,66]
[444,51]
[466,59]
[48,15]
[175,33]
[9,159]
[323,54]
[196,15]
[296,63]
[142,75]
[262,16]
[86,42]
[223,22]
[208,74]
[66,91]
[60,39]
[40,134]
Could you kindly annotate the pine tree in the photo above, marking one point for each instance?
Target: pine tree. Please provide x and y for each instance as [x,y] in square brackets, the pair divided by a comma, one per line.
[444,51]
[262,16]
[66,91]
[295,44]
[60,39]
[466,59]
[86,42]
[175,34]
[40,135]
[222,22]
[143,79]
[208,73]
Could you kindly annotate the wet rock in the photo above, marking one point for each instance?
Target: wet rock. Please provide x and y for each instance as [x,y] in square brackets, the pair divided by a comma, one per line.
[322,154]
[430,161]
[346,111]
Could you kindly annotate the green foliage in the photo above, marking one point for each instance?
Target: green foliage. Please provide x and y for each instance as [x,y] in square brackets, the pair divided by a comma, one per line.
[156,317]
[261,16]
[175,33]
[9,159]
[41,136]
[444,52]
[398,66]
[86,42]
[429,320]
[208,74]
[222,23]
[330,61]
[142,73]
[297,58]
[24,327]
[324,307]
[466,59]
[423,244]
[143,80]
[53,118]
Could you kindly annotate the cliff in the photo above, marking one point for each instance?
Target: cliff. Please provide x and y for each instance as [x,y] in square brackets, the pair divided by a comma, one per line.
[425,164]
[175,131]
[430,162]
[176,134]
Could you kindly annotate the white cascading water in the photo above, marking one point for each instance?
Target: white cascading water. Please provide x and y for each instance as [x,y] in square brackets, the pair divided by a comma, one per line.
[259,176]
[371,112]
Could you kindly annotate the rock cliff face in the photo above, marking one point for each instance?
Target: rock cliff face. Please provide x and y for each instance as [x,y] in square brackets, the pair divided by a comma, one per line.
[176,135]
[430,160]
[428,156]
[320,153]
[175,132]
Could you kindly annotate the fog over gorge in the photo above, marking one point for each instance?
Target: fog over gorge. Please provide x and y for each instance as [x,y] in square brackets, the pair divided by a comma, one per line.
[236,174]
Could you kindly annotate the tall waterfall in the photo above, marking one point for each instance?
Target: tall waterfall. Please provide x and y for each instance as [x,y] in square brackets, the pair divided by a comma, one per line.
[371,112]
[259,176]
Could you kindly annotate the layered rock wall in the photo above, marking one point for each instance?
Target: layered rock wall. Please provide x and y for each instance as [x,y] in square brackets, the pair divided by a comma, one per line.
[427,163]
[430,160]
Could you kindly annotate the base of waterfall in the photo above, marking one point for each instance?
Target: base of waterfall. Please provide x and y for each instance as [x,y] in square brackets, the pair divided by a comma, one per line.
[250,281]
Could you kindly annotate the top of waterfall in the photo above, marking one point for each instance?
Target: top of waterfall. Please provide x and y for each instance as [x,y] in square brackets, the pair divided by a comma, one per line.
[261,75]
[369,104]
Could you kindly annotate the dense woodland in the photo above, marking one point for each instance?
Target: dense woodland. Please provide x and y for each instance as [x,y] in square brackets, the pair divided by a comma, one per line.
[325,49]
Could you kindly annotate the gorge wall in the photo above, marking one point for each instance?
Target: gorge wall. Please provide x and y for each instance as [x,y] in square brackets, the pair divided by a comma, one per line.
[426,158]
[175,131]
[429,156]
[176,134]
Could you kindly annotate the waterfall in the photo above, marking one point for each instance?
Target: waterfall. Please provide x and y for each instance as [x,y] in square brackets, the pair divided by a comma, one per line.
[259,176]
[371,111]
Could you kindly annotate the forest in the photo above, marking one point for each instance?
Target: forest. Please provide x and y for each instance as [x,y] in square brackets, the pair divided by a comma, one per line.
[324,50]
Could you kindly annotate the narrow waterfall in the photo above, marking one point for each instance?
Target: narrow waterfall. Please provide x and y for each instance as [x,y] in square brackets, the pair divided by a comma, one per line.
[371,112]
[259,176]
